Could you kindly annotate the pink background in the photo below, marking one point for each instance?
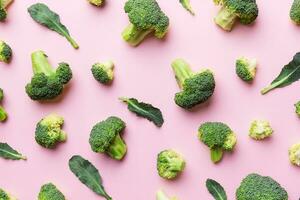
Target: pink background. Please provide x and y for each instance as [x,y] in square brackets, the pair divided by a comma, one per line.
[145,73]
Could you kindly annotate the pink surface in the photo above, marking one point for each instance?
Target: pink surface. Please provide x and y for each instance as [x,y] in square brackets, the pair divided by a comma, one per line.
[145,73]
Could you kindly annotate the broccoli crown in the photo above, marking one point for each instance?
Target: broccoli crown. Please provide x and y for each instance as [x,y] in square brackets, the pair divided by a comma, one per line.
[297,108]
[103,72]
[169,164]
[50,192]
[3,14]
[5,196]
[256,187]
[96,2]
[295,12]
[47,83]
[246,69]
[1,94]
[5,50]
[260,129]
[48,132]
[294,154]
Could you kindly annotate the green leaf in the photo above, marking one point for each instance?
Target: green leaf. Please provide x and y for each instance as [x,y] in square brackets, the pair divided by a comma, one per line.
[44,16]
[288,75]
[187,5]
[8,152]
[87,173]
[144,110]
[216,190]
[216,154]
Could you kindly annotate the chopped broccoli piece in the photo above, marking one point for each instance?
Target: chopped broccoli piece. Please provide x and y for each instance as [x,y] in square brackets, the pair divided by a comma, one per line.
[218,137]
[47,83]
[3,6]
[295,12]
[3,114]
[105,137]
[169,164]
[297,108]
[5,52]
[246,68]
[103,72]
[187,5]
[196,87]
[232,10]
[260,129]
[48,132]
[160,195]
[294,154]
[145,17]
[96,2]
[6,196]
[50,192]
[256,187]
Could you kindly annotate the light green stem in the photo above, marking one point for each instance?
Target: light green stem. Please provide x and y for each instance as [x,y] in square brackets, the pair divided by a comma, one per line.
[40,63]
[134,36]
[225,19]
[182,71]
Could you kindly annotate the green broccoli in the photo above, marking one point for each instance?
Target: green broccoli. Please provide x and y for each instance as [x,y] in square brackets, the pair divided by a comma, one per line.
[294,154]
[105,137]
[96,2]
[103,72]
[260,129]
[47,83]
[3,114]
[218,137]
[295,12]
[160,195]
[5,52]
[50,192]
[232,10]
[169,164]
[6,196]
[196,87]
[3,6]
[145,17]
[246,68]
[48,132]
[256,187]
[297,108]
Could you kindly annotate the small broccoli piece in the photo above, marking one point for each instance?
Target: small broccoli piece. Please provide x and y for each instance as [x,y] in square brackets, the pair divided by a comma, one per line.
[246,68]
[50,192]
[47,83]
[96,2]
[106,138]
[6,196]
[260,129]
[218,137]
[297,108]
[196,87]
[187,5]
[145,17]
[3,6]
[160,195]
[256,187]
[169,164]
[103,72]
[232,10]
[294,154]
[3,114]
[48,132]
[295,12]
[5,52]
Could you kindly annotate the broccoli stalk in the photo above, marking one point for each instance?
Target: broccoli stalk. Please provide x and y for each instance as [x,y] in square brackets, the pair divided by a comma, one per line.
[117,148]
[3,114]
[182,71]
[134,35]
[3,6]
[160,195]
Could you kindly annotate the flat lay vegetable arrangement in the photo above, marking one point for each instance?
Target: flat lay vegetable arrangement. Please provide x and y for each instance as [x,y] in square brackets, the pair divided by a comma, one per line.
[109,134]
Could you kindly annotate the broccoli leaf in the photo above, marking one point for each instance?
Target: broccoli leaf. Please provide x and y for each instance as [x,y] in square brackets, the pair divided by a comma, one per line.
[8,152]
[44,16]
[144,110]
[216,190]
[187,5]
[87,173]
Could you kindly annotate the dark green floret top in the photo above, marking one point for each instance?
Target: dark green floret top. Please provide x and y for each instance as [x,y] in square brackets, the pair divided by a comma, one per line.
[103,72]
[5,52]
[5,196]
[246,68]
[50,192]
[295,12]
[3,6]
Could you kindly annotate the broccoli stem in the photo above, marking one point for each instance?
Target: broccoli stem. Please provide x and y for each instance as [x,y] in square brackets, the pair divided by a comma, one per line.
[133,35]
[225,19]
[160,195]
[216,154]
[117,149]
[3,114]
[272,86]
[63,136]
[182,71]
[5,3]
[40,63]
[72,41]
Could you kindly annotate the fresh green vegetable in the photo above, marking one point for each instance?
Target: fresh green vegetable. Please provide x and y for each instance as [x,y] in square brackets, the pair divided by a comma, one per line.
[103,72]
[48,132]
[5,52]
[187,5]
[46,17]
[246,11]
[246,68]
[257,187]
[145,17]
[196,87]
[260,129]
[218,137]
[87,173]
[96,2]
[297,108]
[170,164]
[3,114]
[47,83]
[50,192]
[7,152]
[105,137]
[160,195]
[294,154]
[3,8]
[144,110]
[288,75]
[216,190]
[295,12]
[5,195]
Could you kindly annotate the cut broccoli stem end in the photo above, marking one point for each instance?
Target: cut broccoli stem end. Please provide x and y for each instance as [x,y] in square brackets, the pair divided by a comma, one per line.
[160,195]
[225,19]
[135,36]
[216,154]
[117,149]
[3,114]
[40,63]
[182,71]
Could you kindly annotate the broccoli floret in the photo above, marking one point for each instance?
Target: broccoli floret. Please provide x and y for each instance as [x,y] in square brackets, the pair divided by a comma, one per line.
[106,138]
[47,82]
[96,2]
[232,10]
[169,164]
[48,132]
[103,72]
[5,52]
[160,195]
[3,114]
[260,129]
[50,192]
[196,87]
[145,17]
[6,196]
[246,68]
[294,154]
[3,6]
[218,137]
[297,108]
[257,187]
[295,12]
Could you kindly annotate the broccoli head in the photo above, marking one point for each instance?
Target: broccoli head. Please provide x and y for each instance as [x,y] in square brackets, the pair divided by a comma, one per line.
[48,132]
[50,192]
[295,12]
[96,2]
[47,83]
[103,72]
[3,114]
[297,108]
[246,68]
[260,129]
[218,137]
[232,10]
[256,187]
[6,196]
[145,17]
[106,138]
[169,164]
[3,5]
[294,154]
[196,87]
[5,52]
[160,195]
